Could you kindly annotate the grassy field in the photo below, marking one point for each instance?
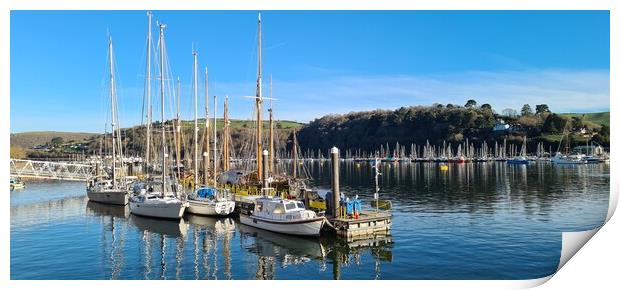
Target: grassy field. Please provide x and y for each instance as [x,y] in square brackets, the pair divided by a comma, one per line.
[601,118]
[28,140]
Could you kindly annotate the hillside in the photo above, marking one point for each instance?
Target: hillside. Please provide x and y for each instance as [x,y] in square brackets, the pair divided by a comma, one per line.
[28,140]
[601,118]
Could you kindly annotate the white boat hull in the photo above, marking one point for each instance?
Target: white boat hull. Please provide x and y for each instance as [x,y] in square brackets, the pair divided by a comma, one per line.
[215,208]
[169,210]
[309,227]
[118,197]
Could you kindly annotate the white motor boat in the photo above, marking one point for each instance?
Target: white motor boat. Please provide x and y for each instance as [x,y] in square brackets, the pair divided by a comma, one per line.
[283,216]
[559,158]
[210,201]
[157,203]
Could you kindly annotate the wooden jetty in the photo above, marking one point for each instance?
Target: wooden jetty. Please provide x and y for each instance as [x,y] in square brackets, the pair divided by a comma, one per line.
[359,226]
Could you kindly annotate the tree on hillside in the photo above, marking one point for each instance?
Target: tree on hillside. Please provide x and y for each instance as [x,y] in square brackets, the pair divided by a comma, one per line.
[470,104]
[542,108]
[509,112]
[526,110]
[449,106]
[486,107]
[57,141]
[17,152]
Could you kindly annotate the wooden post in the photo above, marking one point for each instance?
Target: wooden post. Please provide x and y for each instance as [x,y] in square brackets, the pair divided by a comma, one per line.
[335,181]
[265,169]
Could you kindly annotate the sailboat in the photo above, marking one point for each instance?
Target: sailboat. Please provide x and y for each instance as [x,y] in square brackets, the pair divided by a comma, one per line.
[207,200]
[159,199]
[560,158]
[113,189]
[521,159]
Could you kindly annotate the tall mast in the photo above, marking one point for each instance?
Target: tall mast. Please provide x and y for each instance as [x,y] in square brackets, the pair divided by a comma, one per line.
[148,94]
[177,130]
[215,141]
[295,154]
[112,100]
[163,127]
[195,118]
[205,148]
[271,125]
[259,101]
[226,149]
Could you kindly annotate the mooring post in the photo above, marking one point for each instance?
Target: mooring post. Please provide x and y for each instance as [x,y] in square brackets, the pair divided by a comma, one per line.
[265,169]
[335,182]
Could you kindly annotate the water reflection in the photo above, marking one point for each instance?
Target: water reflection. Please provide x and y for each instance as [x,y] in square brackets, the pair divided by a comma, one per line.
[488,220]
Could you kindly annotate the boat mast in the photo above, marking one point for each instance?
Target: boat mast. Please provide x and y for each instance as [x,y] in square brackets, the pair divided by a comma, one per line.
[271,125]
[205,145]
[177,130]
[259,101]
[163,127]
[215,141]
[148,94]
[226,143]
[112,99]
[294,154]
[195,118]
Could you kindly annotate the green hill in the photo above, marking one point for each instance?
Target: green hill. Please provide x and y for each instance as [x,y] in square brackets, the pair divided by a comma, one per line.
[27,140]
[601,118]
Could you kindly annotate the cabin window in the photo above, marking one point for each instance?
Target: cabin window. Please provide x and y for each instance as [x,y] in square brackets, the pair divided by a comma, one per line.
[290,206]
[279,209]
[300,205]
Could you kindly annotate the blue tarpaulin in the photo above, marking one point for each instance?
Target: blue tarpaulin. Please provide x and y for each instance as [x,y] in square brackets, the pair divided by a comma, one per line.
[206,192]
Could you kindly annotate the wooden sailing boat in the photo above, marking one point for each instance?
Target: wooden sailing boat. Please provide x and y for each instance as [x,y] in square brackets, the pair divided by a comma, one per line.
[112,189]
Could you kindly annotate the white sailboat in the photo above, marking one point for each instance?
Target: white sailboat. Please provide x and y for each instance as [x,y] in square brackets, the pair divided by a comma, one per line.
[104,189]
[159,199]
[207,200]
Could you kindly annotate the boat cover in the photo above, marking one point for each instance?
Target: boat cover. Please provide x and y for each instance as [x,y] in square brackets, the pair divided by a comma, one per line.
[206,192]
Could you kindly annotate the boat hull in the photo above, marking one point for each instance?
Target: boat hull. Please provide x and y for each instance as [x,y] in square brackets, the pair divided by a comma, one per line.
[157,210]
[117,197]
[518,162]
[310,227]
[213,208]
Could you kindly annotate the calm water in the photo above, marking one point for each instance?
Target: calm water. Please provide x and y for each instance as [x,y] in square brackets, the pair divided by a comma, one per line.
[475,221]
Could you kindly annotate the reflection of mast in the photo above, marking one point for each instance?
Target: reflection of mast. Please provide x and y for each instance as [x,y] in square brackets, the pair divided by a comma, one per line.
[163,257]
[179,256]
[147,254]
[265,269]
[226,253]
[196,268]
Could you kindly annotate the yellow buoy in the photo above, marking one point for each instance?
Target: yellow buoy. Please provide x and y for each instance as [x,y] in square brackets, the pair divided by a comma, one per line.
[443,167]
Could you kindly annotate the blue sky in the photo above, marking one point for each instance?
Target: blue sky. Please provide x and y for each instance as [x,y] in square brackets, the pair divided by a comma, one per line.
[322,61]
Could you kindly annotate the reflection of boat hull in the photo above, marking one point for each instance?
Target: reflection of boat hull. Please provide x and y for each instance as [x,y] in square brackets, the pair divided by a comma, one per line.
[117,197]
[164,227]
[517,162]
[279,245]
[216,208]
[306,227]
[101,209]
[157,209]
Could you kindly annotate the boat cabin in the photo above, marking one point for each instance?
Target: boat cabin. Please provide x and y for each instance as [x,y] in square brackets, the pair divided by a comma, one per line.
[281,209]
